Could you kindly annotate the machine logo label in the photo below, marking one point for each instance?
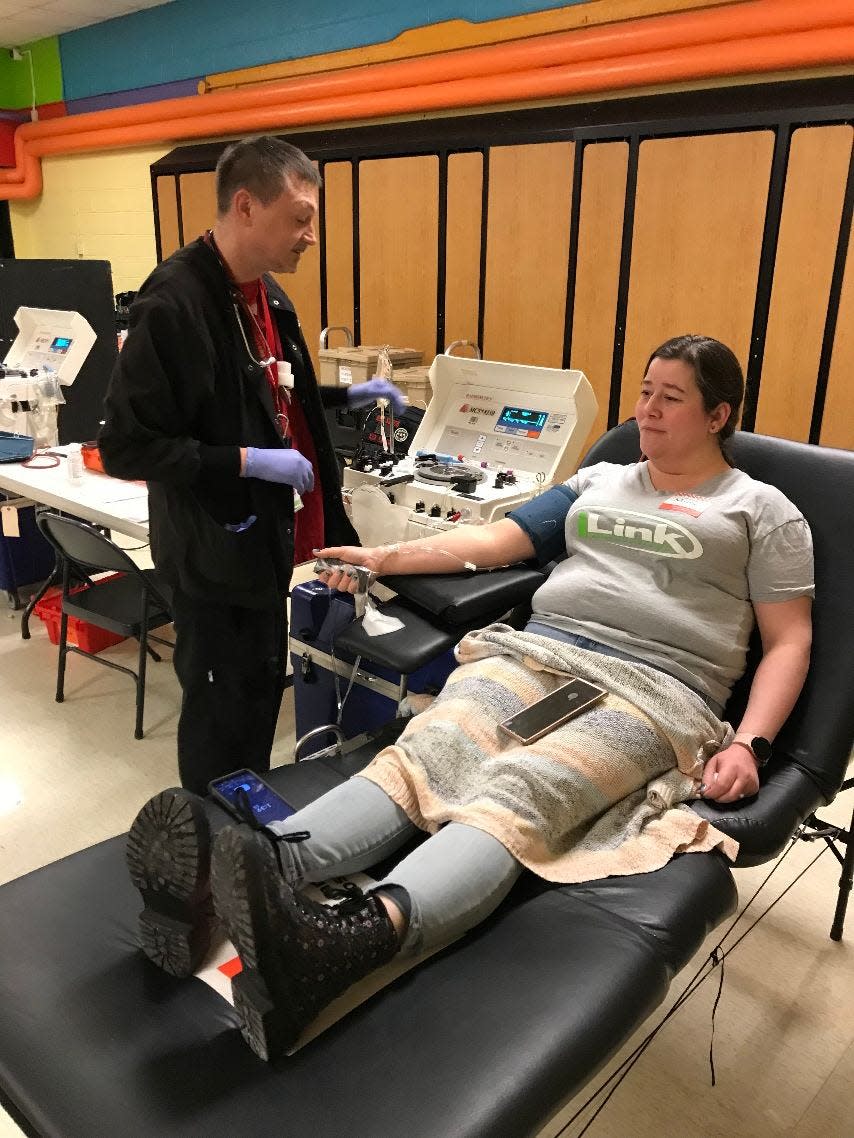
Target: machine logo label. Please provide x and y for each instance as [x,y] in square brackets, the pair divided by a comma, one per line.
[467,409]
[641,531]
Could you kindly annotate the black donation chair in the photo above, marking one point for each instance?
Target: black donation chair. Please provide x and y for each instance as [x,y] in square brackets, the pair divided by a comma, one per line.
[812,751]
[129,605]
[487,1038]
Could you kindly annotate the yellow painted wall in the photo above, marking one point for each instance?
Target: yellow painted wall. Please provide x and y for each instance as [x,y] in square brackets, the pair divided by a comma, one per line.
[95,206]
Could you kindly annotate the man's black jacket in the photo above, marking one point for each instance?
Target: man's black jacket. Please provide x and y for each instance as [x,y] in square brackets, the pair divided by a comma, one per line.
[183,398]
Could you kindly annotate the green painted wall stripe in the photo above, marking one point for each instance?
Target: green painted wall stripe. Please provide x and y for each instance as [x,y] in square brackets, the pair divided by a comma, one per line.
[15,85]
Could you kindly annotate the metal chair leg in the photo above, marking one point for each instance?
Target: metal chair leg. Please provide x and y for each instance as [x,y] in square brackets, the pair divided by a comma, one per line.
[140,684]
[63,652]
[34,600]
[846,881]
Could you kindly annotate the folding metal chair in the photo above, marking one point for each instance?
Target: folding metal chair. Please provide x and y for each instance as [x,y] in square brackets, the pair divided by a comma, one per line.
[130,604]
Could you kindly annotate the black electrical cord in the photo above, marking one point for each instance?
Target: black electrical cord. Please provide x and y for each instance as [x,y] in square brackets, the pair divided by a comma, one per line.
[716,957]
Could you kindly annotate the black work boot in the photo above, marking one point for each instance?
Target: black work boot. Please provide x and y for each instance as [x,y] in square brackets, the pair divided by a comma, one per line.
[168,855]
[297,955]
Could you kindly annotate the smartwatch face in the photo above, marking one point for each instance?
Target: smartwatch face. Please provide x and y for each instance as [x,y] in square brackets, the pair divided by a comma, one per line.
[761,748]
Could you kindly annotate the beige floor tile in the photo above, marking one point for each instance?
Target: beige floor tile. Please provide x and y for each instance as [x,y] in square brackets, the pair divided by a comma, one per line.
[79,771]
[8,1129]
[784,1029]
[832,1110]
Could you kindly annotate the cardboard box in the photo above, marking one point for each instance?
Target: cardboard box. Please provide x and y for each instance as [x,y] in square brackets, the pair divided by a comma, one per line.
[343,366]
[414,382]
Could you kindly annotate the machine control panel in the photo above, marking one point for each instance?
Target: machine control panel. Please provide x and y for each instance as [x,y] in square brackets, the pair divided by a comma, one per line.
[481,425]
[493,436]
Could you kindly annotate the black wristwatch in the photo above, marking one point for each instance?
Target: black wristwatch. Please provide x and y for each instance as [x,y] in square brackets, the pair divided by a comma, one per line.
[760,748]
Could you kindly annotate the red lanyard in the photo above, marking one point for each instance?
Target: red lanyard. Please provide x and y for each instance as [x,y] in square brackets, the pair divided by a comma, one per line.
[267,341]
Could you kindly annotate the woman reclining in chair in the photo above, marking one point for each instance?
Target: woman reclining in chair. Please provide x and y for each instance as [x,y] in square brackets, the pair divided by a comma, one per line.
[670,562]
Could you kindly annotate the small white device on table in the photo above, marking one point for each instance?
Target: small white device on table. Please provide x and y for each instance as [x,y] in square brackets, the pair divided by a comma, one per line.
[48,352]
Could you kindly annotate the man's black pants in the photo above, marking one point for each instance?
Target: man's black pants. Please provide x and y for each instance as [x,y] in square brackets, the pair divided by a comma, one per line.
[230,663]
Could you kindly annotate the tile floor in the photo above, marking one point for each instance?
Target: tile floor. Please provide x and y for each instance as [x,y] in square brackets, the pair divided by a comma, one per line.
[784,1043]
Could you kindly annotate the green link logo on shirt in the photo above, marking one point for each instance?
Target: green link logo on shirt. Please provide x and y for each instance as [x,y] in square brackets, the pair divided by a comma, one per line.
[644,532]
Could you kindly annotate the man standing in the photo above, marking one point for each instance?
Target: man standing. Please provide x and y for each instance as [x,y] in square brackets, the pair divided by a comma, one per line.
[214,402]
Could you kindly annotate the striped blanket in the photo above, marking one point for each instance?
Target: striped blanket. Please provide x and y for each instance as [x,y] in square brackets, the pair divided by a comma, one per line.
[602,795]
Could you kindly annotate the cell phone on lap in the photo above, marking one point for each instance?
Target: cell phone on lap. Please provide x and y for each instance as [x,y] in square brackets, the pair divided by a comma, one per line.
[245,790]
[554,709]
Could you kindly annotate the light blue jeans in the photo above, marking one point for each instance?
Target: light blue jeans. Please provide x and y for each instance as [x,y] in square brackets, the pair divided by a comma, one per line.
[453,880]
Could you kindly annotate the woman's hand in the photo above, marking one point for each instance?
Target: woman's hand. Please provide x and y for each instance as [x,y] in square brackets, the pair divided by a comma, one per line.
[371,558]
[729,775]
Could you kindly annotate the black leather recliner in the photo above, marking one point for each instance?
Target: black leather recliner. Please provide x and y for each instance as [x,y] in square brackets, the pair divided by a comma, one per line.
[488,1037]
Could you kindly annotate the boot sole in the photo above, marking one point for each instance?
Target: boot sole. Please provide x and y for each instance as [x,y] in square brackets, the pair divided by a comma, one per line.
[240,865]
[168,856]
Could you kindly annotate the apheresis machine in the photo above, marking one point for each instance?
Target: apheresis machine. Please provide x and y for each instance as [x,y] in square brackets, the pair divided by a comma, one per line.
[46,356]
[492,437]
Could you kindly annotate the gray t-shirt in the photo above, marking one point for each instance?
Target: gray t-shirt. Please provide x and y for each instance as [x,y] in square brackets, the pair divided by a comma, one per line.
[669,577]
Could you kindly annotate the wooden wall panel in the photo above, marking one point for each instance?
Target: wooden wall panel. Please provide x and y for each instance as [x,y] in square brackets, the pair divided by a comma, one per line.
[167,211]
[198,203]
[600,234]
[338,179]
[699,216]
[303,288]
[837,426]
[398,251]
[698,220]
[527,250]
[809,233]
[462,258]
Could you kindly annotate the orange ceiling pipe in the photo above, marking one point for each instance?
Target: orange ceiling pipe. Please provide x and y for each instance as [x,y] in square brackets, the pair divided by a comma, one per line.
[768,54]
[736,21]
[242,114]
[28,172]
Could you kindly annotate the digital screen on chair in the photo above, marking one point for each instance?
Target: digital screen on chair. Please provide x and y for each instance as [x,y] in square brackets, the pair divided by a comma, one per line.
[61,344]
[521,421]
[267,805]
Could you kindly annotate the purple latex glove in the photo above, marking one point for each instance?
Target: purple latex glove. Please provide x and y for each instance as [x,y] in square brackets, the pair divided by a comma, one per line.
[362,394]
[286,466]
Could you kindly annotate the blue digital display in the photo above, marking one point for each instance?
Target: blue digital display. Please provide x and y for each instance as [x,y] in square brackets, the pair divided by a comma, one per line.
[521,421]
[61,344]
[266,805]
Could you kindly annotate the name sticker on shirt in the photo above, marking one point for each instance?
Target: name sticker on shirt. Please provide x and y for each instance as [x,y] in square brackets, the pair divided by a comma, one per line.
[691,504]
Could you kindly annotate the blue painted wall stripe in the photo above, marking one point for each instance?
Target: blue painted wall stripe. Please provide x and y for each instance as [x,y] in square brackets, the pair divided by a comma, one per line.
[139,95]
[200,37]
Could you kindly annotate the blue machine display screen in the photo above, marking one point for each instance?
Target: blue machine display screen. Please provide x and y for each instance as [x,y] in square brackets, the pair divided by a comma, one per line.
[61,344]
[267,806]
[521,421]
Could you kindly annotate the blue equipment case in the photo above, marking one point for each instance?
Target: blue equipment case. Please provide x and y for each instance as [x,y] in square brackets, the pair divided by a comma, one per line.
[317,617]
[24,560]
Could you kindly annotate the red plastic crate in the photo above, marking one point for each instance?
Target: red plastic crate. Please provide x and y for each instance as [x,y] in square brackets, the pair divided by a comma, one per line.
[80,634]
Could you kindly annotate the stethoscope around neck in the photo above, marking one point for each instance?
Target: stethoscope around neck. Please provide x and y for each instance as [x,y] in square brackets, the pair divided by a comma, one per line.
[284,375]
[236,300]
[263,364]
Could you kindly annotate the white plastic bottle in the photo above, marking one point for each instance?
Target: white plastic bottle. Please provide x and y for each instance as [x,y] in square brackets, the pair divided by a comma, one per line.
[75,463]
